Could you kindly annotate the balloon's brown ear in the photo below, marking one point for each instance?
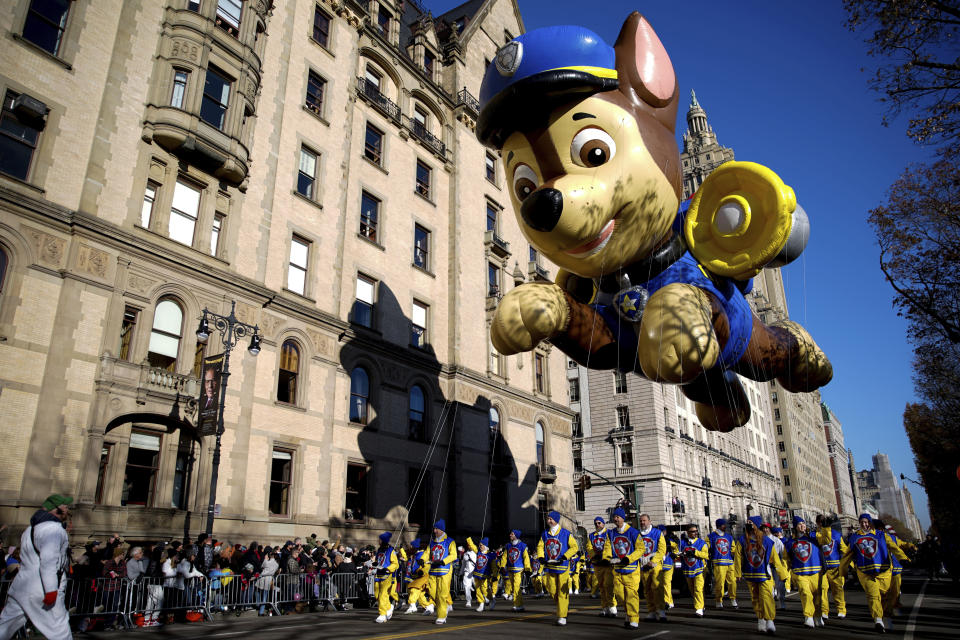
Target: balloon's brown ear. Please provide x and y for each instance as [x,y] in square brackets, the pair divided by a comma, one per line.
[644,69]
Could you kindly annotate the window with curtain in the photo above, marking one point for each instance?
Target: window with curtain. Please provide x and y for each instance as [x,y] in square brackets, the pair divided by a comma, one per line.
[538,429]
[289,372]
[165,335]
[359,395]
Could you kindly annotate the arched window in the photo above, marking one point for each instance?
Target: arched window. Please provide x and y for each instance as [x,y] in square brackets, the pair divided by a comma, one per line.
[417,412]
[165,336]
[494,424]
[3,269]
[539,434]
[359,395]
[289,372]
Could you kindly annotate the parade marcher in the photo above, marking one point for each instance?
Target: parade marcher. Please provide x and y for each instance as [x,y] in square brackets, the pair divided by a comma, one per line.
[442,553]
[537,584]
[415,578]
[896,570]
[832,548]
[468,563]
[805,563]
[779,585]
[37,590]
[513,563]
[575,563]
[386,562]
[623,551]
[603,572]
[556,549]
[693,554]
[654,548]
[870,550]
[723,557]
[485,571]
[666,579]
[760,561]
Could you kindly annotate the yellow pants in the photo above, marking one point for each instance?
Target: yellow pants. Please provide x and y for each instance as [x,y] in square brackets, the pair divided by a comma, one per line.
[537,584]
[695,584]
[383,589]
[558,584]
[480,588]
[511,584]
[625,589]
[574,582]
[832,582]
[666,585]
[761,595]
[604,580]
[417,596]
[787,583]
[889,599]
[440,590]
[724,580]
[808,586]
[651,589]
[495,586]
[875,587]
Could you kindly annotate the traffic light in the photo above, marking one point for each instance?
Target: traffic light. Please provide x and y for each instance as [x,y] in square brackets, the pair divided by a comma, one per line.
[584,483]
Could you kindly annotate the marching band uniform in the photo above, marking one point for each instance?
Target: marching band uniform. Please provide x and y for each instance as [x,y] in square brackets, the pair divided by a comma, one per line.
[666,581]
[443,552]
[805,564]
[870,552]
[780,587]
[623,549]
[386,565]
[536,577]
[416,580]
[896,576]
[603,572]
[832,548]
[558,546]
[692,555]
[724,556]
[758,565]
[575,564]
[484,572]
[513,563]
[654,548]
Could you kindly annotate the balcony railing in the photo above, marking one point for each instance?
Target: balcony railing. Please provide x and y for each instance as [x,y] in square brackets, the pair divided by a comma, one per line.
[466,99]
[497,245]
[624,471]
[537,272]
[547,473]
[371,93]
[431,141]
[163,381]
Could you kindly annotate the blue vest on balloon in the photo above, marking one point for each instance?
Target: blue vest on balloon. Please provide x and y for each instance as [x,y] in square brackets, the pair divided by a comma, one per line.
[755,562]
[384,559]
[692,567]
[554,548]
[804,555]
[515,556]
[721,549]
[485,562]
[622,545]
[439,550]
[830,553]
[870,551]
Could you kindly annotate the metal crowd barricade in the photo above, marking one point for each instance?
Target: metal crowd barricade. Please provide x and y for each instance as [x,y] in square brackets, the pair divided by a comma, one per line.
[293,589]
[105,598]
[155,602]
[345,586]
[233,593]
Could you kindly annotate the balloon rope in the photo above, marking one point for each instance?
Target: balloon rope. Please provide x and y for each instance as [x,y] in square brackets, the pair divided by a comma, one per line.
[446,461]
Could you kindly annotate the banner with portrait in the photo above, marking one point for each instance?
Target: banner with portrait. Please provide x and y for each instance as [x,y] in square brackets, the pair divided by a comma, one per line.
[209,404]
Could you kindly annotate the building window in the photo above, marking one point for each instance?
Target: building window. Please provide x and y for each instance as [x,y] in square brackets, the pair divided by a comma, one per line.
[420,117]
[494,360]
[315,90]
[215,234]
[494,424]
[619,382]
[773,396]
[776,414]
[127,325]
[786,481]
[373,78]
[779,429]
[383,22]
[359,395]
[228,16]
[321,27]
[165,336]
[576,426]
[424,174]
[580,500]
[493,280]
[281,468]
[781,446]
[539,373]
[46,21]
[369,216]
[574,390]
[491,167]
[421,247]
[297,269]
[18,140]
[491,218]
[538,433]
[623,417]
[355,498]
[216,98]
[140,475]
[146,210]
[193,5]
[417,413]
[534,256]
[289,373]
[783,463]
[363,304]
[307,175]
[418,325]
[626,455]
[577,460]
[373,145]
[789,497]
[183,213]
[105,452]
[428,60]
[179,88]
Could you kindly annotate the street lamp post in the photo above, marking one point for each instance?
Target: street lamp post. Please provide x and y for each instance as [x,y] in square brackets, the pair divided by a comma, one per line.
[232,330]
[705,482]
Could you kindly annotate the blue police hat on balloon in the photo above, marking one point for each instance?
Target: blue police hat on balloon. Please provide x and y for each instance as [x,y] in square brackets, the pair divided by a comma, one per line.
[552,63]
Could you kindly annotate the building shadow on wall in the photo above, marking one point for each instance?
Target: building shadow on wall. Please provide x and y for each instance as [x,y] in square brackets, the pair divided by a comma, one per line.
[422,455]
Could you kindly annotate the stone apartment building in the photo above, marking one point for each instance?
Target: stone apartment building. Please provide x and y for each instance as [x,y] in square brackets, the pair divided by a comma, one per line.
[846,508]
[311,166]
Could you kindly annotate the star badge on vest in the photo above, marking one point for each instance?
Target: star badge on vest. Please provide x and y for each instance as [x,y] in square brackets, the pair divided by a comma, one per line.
[867,546]
[553,549]
[803,550]
[621,544]
[631,302]
[509,57]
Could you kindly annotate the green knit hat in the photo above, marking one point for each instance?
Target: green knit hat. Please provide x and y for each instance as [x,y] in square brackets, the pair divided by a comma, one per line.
[54,501]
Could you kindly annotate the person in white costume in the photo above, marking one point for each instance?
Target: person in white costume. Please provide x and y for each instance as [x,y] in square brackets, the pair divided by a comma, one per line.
[468,562]
[37,591]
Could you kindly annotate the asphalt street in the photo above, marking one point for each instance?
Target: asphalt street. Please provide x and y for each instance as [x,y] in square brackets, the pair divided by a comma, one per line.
[931,611]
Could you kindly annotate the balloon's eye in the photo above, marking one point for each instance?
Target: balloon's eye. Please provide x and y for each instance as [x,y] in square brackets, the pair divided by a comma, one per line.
[592,147]
[525,181]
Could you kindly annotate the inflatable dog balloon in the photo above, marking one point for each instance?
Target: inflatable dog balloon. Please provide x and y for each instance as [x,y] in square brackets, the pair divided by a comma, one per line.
[587,137]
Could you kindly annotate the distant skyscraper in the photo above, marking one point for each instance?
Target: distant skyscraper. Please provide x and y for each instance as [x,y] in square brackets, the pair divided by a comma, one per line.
[882,494]
[839,467]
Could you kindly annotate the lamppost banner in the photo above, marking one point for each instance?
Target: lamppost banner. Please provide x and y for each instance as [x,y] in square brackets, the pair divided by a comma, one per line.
[210,395]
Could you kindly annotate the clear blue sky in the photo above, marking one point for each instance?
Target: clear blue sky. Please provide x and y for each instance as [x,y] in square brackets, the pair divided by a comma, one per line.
[783,84]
